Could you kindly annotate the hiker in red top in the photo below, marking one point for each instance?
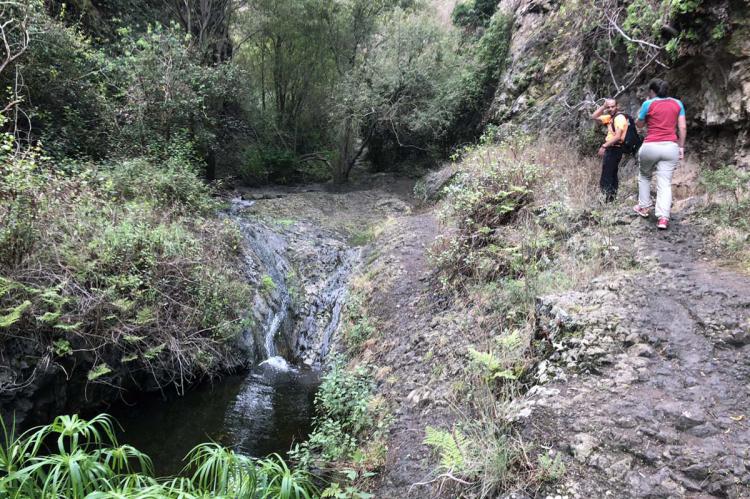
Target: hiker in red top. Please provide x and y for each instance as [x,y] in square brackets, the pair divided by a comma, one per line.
[661,151]
[611,151]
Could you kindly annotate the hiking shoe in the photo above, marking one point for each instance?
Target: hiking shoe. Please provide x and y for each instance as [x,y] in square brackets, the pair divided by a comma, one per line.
[663,223]
[641,211]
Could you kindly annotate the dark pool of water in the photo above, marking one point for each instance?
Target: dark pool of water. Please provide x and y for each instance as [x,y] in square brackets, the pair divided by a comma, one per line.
[260,413]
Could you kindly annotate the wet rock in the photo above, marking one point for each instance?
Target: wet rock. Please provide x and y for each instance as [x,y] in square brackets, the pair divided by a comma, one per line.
[689,419]
[739,338]
[419,397]
[620,468]
[632,339]
[697,471]
[430,187]
[704,430]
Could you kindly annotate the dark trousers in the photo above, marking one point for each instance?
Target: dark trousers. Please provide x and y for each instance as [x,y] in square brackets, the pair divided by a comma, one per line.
[610,163]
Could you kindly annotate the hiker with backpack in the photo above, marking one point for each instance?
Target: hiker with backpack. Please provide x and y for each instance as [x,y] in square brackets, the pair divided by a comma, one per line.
[662,149]
[621,138]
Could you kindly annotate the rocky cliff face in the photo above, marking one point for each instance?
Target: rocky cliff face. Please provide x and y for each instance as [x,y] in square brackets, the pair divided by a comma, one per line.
[557,68]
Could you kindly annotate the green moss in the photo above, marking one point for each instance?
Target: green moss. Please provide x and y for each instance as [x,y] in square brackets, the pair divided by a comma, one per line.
[267,284]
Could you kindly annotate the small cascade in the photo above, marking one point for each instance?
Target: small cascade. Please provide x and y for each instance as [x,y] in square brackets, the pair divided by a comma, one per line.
[333,297]
[305,325]
[265,257]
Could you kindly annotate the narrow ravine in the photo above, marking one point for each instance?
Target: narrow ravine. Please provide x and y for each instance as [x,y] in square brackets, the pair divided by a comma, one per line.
[301,267]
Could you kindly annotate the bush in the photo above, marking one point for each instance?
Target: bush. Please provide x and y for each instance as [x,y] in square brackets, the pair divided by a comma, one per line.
[490,198]
[729,200]
[473,13]
[113,242]
[346,414]
[173,184]
[64,89]
[164,91]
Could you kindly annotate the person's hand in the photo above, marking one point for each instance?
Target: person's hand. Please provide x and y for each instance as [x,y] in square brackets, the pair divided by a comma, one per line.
[682,153]
[602,150]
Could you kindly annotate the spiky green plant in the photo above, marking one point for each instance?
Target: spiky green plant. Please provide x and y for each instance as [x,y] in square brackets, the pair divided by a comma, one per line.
[284,483]
[74,458]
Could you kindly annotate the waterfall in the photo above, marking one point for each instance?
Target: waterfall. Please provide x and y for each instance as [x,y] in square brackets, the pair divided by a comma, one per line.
[324,264]
[265,256]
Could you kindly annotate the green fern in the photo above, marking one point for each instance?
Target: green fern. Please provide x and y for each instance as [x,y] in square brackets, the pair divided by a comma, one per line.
[99,371]
[492,367]
[14,315]
[449,445]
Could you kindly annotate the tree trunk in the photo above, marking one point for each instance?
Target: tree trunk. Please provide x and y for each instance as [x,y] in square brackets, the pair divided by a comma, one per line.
[345,140]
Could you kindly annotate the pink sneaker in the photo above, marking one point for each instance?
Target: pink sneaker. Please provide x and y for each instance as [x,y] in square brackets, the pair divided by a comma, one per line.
[641,211]
[663,223]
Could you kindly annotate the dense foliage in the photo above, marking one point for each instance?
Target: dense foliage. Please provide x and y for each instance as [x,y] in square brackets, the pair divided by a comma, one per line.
[280,91]
[346,412]
[117,267]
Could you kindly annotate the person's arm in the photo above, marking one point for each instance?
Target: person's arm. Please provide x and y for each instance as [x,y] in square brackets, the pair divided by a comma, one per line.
[682,134]
[597,114]
[641,121]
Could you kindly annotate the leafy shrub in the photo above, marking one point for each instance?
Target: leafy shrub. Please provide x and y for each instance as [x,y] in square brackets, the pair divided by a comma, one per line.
[344,396]
[357,324]
[481,454]
[64,88]
[551,468]
[473,13]
[174,183]
[727,179]
[488,201]
[21,179]
[344,414]
[164,91]
[268,164]
[729,200]
[494,45]
[505,363]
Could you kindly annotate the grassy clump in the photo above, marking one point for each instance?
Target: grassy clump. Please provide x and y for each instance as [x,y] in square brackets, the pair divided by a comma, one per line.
[504,224]
[357,324]
[76,459]
[122,264]
[728,190]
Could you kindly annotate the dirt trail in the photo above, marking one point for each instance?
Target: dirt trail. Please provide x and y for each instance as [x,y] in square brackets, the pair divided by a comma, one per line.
[645,393]
[403,303]
[660,408]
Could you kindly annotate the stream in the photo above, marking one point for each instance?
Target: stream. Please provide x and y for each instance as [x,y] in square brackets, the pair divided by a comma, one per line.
[301,291]
[262,412]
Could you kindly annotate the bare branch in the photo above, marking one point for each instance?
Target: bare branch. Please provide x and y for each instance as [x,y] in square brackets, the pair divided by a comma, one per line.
[613,23]
[14,48]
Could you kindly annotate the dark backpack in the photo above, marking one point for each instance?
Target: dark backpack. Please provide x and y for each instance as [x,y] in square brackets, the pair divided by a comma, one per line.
[632,141]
